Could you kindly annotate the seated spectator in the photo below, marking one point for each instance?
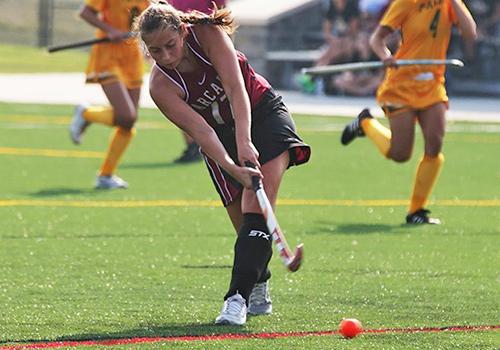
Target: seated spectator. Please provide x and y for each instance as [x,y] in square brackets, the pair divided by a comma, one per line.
[344,41]
[371,11]
[487,14]
[362,83]
[481,56]
[491,25]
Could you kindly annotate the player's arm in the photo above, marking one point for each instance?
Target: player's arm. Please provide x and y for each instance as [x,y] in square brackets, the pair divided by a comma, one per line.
[168,98]
[91,16]
[379,45]
[220,50]
[393,19]
[327,30]
[464,20]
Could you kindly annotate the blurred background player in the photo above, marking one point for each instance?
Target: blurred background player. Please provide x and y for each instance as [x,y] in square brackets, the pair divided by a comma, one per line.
[208,89]
[118,66]
[414,93]
[191,153]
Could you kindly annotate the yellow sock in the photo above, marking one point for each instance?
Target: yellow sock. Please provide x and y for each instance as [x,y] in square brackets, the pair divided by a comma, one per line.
[100,115]
[119,142]
[379,134]
[427,173]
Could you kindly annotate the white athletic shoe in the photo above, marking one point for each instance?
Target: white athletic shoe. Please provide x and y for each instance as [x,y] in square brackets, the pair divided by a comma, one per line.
[234,311]
[259,302]
[110,182]
[78,124]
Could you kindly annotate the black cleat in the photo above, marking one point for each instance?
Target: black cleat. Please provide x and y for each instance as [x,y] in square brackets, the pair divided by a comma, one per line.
[191,154]
[421,216]
[353,129]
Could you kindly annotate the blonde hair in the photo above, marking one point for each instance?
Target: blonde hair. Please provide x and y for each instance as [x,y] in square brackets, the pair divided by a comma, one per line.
[161,15]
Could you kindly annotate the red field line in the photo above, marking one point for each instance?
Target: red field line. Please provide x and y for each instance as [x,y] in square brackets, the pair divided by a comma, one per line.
[234,336]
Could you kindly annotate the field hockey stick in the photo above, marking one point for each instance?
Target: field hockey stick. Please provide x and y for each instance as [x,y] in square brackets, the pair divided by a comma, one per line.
[337,68]
[291,261]
[84,43]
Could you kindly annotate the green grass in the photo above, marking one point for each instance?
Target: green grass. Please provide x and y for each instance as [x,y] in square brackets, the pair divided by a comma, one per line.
[83,272]
[25,59]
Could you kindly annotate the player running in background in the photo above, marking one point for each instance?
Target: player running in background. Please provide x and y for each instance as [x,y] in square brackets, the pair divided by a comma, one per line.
[414,93]
[208,89]
[118,66]
[191,152]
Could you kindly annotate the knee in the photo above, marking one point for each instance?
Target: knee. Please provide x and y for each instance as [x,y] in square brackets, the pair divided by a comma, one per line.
[399,157]
[433,146]
[126,120]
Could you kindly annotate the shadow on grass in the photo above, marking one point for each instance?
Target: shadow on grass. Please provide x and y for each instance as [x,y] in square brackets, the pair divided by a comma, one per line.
[357,228]
[157,165]
[56,192]
[206,266]
[166,331]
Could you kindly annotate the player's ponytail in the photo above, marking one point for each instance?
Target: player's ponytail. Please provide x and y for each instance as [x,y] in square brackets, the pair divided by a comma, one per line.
[219,17]
[161,15]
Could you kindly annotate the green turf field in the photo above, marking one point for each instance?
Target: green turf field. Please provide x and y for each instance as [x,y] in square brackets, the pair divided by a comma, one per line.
[154,260]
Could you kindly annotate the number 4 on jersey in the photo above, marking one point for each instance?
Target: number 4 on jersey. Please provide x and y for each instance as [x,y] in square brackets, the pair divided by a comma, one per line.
[434,23]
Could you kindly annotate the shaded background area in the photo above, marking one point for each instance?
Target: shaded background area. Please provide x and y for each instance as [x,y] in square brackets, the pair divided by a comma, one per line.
[279,37]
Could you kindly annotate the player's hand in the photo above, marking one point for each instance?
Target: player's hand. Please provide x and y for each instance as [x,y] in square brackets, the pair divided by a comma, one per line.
[245,174]
[116,35]
[390,62]
[248,153]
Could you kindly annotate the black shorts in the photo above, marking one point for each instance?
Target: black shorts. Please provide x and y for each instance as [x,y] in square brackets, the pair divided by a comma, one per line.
[273,132]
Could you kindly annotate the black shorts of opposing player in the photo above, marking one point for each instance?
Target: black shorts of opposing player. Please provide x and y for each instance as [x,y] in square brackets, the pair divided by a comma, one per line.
[252,252]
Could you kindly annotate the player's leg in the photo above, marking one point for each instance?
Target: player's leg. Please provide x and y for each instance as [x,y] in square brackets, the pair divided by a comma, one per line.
[366,125]
[235,214]
[402,136]
[432,122]
[394,143]
[259,302]
[124,104]
[84,115]
[332,52]
[253,248]
[191,153]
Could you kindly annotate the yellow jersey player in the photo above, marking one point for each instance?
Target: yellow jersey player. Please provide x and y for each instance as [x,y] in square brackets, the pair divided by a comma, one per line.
[118,66]
[413,94]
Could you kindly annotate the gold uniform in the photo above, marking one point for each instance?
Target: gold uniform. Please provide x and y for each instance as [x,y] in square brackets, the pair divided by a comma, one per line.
[425,27]
[123,60]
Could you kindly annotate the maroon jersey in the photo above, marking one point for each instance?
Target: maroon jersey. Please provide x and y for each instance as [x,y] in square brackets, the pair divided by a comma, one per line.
[203,89]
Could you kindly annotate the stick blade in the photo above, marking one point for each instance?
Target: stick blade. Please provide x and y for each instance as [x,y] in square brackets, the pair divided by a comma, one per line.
[296,261]
[456,62]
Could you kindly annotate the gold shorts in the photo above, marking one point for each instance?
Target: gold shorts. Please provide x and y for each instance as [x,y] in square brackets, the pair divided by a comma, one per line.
[401,96]
[111,62]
